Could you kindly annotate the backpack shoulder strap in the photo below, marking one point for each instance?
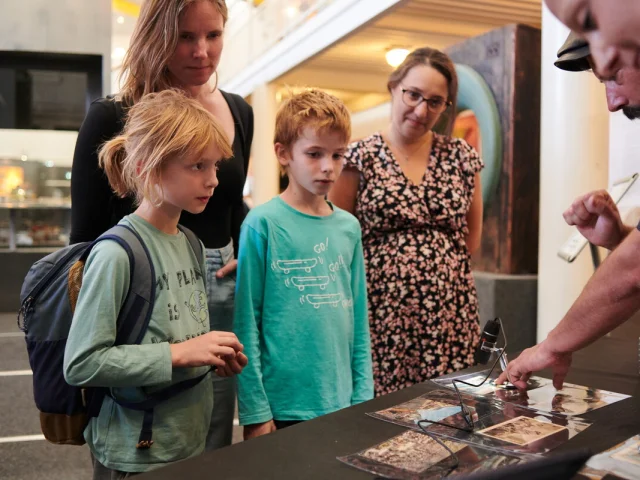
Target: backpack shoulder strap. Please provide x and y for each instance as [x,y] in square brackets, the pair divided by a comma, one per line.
[195,243]
[135,313]
[197,247]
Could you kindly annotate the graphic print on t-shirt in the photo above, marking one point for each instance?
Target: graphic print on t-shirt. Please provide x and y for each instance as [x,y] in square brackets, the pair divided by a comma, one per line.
[170,284]
[198,307]
[316,277]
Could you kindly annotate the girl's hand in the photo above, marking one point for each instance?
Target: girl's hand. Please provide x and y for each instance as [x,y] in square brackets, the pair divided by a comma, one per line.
[227,269]
[210,349]
[233,365]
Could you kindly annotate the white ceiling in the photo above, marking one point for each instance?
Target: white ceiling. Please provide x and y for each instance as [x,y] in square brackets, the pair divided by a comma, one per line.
[355,68]
[357,63]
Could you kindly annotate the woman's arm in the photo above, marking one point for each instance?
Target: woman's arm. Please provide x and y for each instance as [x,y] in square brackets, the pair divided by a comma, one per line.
[239,210]
[91,193]
[474,218]
[345,192]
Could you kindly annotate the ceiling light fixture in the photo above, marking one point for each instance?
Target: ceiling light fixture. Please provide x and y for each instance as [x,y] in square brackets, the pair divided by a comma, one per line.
[120,20]
[291,11]
[395,56]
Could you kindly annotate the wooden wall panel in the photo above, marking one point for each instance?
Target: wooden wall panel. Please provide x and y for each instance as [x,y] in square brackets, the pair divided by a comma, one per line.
[509,61]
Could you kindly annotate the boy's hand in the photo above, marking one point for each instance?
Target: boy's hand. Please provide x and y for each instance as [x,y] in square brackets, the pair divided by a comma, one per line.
[233,365]
[210,349]
[230,267]
[258,429]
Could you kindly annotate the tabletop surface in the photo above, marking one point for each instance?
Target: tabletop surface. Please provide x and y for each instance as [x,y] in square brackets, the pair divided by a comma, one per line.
[309,450]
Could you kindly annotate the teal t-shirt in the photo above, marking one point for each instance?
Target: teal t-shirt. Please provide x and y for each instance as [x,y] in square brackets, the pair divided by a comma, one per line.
[301,314]
[132,371]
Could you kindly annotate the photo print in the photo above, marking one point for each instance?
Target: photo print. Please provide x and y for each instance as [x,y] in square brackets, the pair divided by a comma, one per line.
[522,430]
[622,460]
[435,406]
[537,439]
[414,455]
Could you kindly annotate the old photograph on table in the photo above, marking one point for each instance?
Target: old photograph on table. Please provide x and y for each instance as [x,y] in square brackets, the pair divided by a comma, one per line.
[435,406]
[546,433]
[522,430]
[571,400]
[414,455]
[622,460]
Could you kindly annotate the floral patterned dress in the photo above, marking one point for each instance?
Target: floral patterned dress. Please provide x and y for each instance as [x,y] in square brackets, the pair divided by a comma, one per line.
[423,307]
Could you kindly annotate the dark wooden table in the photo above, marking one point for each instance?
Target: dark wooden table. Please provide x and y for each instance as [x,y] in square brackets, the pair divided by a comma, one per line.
[309,450]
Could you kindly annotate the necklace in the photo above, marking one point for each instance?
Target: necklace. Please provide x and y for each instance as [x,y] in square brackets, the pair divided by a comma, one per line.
[407,156]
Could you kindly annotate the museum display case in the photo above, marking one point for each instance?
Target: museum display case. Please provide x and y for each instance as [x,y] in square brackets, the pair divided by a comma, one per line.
[35,205]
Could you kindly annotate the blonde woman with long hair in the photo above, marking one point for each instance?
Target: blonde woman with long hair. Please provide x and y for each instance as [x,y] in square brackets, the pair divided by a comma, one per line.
[175,44]
[166,159]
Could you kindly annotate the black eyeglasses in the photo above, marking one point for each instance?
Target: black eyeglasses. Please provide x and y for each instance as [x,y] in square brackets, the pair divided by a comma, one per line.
[411,98]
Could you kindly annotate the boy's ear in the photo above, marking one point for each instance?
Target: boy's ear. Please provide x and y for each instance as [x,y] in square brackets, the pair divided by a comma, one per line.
[282,153]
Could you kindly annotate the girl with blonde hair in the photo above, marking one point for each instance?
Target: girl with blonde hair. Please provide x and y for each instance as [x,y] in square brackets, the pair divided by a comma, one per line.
[167,159]
[175,44]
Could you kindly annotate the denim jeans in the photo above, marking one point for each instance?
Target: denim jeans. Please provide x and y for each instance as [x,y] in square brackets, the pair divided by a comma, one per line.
[220,294]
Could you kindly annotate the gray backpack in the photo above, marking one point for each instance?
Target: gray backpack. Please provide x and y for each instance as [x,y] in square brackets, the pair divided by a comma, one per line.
[48,298]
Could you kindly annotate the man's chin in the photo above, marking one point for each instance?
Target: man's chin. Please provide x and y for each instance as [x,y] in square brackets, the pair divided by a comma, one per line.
[631,112]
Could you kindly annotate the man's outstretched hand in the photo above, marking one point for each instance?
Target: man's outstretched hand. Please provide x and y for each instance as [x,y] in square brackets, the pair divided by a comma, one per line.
[534,359]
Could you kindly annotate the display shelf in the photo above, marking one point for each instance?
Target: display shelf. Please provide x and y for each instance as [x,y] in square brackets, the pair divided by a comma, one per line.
[34,209]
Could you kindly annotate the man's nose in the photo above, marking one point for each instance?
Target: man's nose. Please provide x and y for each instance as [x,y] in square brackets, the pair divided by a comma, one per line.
[615,100]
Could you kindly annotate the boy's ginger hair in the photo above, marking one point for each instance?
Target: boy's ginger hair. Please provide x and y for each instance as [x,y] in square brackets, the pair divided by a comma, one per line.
[313,108]
[161,126]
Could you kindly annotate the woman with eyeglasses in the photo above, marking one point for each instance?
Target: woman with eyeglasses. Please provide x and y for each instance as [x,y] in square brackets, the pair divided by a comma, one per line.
[417,195]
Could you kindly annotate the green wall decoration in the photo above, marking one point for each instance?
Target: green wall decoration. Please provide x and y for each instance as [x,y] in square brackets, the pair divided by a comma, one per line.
[474,94]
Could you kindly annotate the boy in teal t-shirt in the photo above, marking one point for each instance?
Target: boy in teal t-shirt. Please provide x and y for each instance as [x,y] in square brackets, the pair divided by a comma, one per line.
[301,302]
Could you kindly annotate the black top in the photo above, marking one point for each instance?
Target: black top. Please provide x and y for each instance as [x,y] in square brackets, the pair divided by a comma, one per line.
[95,208]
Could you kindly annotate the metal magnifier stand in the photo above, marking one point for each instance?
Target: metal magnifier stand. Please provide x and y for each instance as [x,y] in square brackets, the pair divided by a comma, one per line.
[502,355]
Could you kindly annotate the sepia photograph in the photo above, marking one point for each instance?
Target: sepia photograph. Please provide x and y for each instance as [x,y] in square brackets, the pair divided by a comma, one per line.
[432,406]
[411,451]
[412,411]
[521,430]
[416,456]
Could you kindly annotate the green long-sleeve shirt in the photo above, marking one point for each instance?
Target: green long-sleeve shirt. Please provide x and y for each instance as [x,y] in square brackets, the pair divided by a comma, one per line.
[301,314]
[131,371]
